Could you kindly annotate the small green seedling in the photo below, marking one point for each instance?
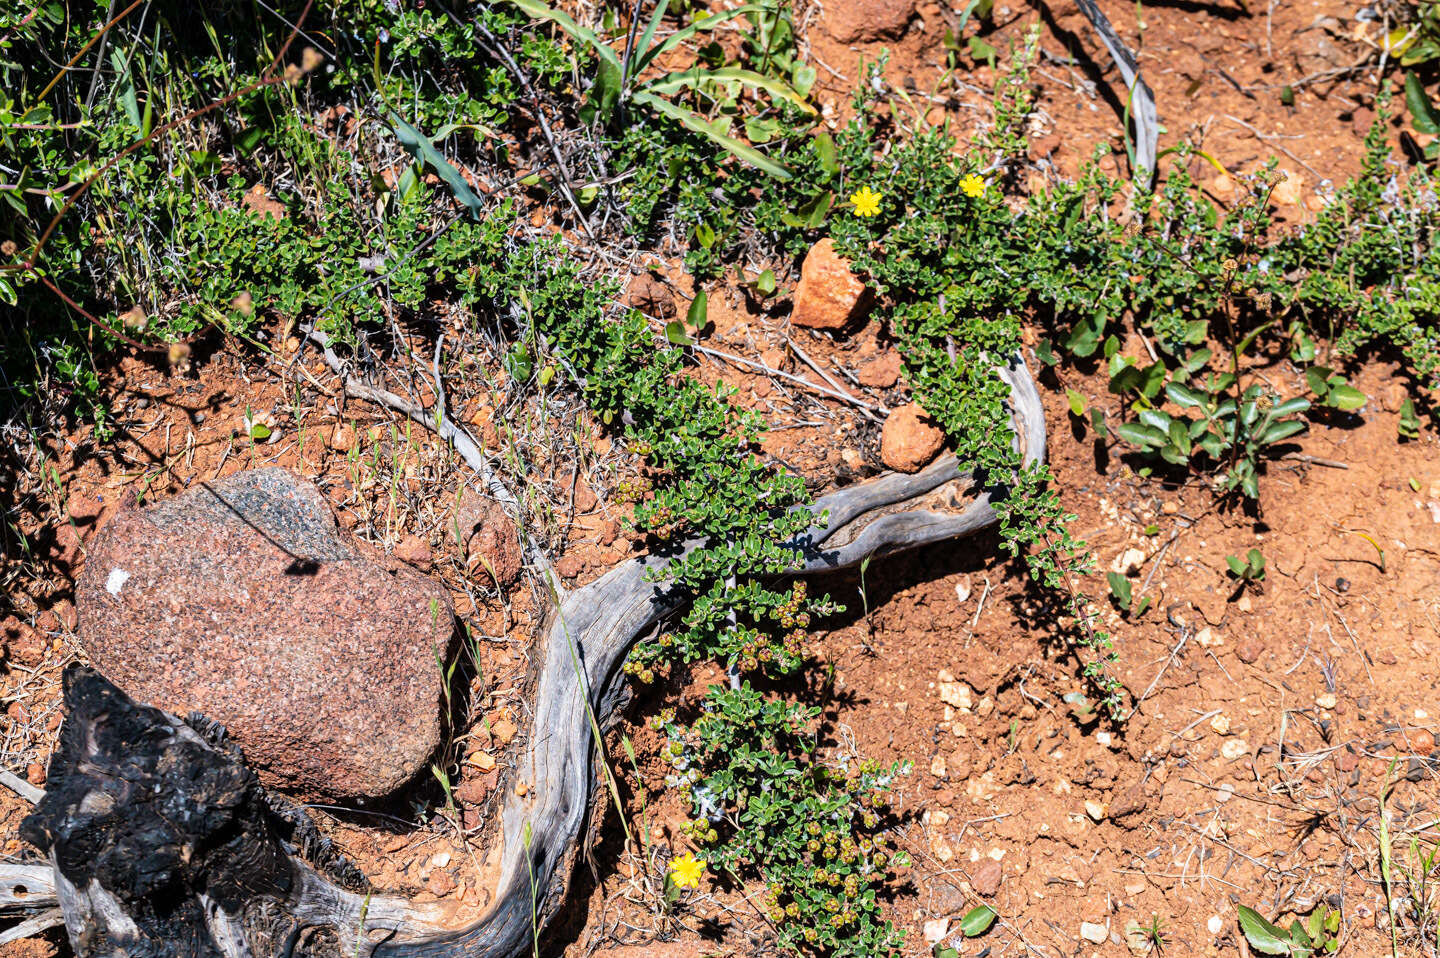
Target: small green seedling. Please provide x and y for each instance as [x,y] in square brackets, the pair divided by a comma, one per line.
[1146,938]
[255,427]
[1317,935]
[1332,390]
[1409,425]
[977,921]
[1124,596]
[1251,569]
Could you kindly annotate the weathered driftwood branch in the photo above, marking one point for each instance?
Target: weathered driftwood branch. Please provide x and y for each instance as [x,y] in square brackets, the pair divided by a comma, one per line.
[241,891]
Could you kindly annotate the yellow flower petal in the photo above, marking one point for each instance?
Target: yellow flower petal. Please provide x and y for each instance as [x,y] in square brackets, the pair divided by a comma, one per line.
[866,202]
[972,185]
[686,870]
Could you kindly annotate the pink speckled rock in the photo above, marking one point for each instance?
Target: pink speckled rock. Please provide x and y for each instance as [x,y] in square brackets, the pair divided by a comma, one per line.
[242,600]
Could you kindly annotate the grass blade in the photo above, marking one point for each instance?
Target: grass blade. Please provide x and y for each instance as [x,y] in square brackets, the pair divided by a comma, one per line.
[685,33]
[648,37]
[694,77]
[540,11]
[697,123]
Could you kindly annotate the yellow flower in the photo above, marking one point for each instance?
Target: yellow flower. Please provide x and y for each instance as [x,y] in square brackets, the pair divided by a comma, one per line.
[867,202]
[972,185]
[686,870]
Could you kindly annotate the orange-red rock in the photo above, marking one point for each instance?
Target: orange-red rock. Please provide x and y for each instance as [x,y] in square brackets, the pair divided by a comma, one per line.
[851,21]
[910,439]
[829,296]
[489,537]
[651,296]
[882,372]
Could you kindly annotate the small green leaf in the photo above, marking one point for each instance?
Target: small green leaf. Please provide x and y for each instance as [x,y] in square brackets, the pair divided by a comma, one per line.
[699,313]
[1077,403]
[1263,936]
[1409,426]
[1120,588]
[765,283]
[980,50]
[1236,566]
[977,921]
[1045,352]
[675,333]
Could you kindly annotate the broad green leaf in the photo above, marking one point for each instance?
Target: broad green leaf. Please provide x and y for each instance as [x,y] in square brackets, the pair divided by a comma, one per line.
[1422,112]
[125,88]
[761,130]
[1346,397]
[979,8]
[803,79]
[1139,434]
[1085,336]
[1290,406]
[811,214]
[1300,944]
[980,50]
[1156,418]
[1237,567]
[1318,379]
[424,151]
[1077,402]
[765,283]
[539,11]
[606,92]
[675,333]
[698,124]
[1283,429]
[1152,378]
[1180,437]
[825,150]
[977,921]
[1185,396]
